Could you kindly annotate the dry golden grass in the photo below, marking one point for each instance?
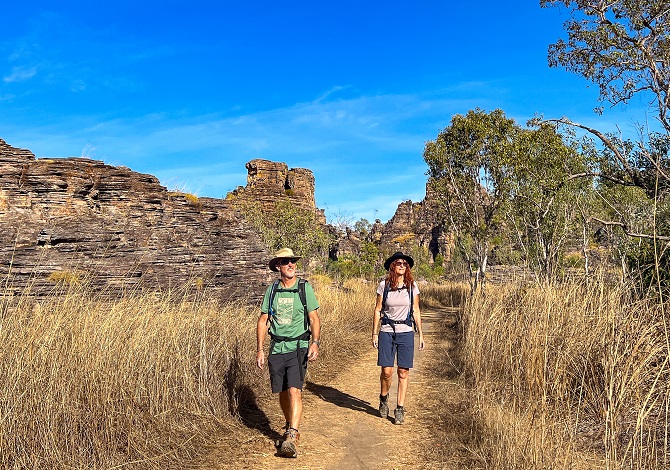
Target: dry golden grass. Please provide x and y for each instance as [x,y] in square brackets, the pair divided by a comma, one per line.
[556,377]
[346,321]
[568,377]
[147,381]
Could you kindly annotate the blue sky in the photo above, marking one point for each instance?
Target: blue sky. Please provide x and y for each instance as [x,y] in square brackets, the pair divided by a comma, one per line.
[191,91]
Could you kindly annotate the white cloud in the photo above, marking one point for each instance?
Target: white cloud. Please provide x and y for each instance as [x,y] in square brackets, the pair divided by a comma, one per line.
[20,74]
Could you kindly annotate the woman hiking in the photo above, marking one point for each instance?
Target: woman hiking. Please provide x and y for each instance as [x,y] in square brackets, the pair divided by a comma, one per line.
[397,310]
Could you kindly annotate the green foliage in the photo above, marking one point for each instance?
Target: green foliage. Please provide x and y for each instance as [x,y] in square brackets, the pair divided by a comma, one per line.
[364,264]
[621,46]
[426,270]
[363,226]
[649,260]
[288,225]
[650,268]
[545,195]
[502,184]
[468,172]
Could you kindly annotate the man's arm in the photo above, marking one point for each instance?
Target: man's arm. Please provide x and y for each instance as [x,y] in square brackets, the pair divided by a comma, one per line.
[261,333]
[315,326]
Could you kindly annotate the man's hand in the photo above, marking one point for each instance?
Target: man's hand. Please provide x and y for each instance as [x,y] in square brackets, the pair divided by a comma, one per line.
[260,359]
[375,341]
[313,352]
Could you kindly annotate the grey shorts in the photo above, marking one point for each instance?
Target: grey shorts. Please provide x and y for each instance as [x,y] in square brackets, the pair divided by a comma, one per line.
[285,370]
[392,345]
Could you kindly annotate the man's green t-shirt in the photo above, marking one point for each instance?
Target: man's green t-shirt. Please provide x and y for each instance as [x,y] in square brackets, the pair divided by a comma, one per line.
[289,316]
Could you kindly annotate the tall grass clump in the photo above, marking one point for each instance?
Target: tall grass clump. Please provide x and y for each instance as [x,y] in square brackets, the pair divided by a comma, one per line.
[147,381]
[569,376]
[346,321]
[438,295]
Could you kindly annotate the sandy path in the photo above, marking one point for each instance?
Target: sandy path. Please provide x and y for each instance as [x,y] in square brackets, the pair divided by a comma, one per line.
[341,426]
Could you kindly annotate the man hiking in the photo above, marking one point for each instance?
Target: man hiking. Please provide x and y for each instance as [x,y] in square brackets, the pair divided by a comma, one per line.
[289,315]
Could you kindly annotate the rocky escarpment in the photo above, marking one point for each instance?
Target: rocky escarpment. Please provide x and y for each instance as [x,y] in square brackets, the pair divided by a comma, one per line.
[414,224]
[417,224]
[269,181]
[75,220]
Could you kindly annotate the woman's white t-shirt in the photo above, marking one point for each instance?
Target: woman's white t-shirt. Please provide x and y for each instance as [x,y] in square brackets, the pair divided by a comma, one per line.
[397,307]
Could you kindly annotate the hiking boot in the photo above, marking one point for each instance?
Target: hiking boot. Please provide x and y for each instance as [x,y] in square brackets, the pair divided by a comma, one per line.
[281,439]
[399,415]
[289,446]
[383,409]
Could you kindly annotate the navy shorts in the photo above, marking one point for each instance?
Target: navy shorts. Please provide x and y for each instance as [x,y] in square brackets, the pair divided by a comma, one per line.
[285,370]
[392,345]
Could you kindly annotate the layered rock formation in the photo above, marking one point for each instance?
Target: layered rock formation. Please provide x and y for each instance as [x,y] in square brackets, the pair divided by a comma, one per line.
[413,224]
[79,220]
[417,223]
[269,181]
[72,220]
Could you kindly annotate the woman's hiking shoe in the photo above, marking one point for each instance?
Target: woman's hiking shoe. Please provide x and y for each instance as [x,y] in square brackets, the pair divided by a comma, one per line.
[289,446]
[383,409]
[399,415]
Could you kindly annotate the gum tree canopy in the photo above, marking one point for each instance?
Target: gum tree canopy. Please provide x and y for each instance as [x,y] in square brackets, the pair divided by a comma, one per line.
[623,46]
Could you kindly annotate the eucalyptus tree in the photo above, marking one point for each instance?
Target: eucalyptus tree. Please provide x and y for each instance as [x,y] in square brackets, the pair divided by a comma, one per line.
[623,46]
[467,172]
[546,186]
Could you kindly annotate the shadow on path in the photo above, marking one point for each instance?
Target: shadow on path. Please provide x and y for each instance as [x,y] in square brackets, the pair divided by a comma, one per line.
[252,415]
[344,400]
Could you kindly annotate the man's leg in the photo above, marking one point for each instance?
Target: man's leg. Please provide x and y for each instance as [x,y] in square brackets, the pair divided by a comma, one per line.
[285,403]
[291,404]
[292,408]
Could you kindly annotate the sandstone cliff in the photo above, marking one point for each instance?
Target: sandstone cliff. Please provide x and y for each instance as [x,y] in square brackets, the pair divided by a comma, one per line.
[74,220]
[71,220]
[413,224]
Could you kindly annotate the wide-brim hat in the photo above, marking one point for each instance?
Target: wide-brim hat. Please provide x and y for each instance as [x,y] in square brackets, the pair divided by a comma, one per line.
[398,255]
[280,255]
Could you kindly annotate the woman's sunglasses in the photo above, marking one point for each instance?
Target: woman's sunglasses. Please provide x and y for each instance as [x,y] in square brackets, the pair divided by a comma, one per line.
[285,261]
[401,263]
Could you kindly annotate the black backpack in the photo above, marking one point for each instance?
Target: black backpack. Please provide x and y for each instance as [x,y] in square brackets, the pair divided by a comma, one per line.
[409,321]
[300,289]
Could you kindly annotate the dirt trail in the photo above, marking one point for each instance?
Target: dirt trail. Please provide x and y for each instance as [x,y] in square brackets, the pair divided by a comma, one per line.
[341,426]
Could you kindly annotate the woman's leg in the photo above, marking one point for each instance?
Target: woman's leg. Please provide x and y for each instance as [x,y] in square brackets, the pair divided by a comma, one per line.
[385,378]
[403,382]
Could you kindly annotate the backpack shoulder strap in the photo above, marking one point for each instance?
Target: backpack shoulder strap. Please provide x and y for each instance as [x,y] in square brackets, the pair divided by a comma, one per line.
[410,313]
[303,299]
[273,291]
[387,287]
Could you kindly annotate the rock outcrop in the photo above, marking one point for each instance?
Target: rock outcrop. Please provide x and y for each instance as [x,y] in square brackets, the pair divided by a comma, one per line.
[413,224]
[72,220]
[269,181]
[80,220]
[418,224]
